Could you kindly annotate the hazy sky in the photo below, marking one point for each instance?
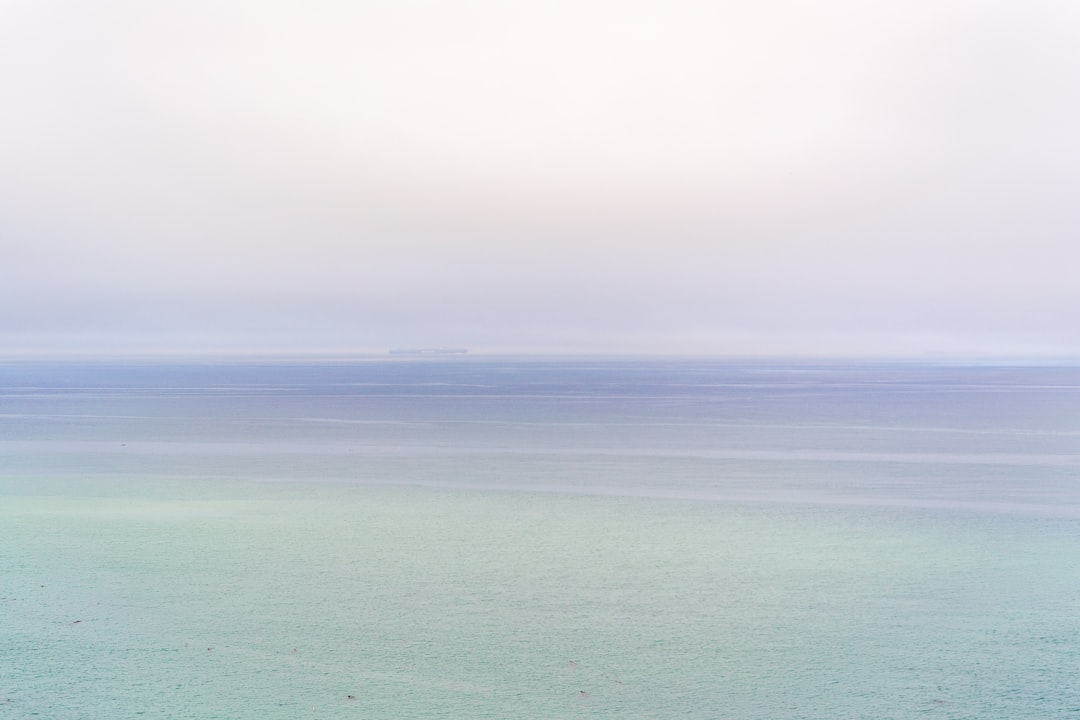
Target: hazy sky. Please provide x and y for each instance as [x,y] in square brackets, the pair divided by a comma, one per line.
[623,175]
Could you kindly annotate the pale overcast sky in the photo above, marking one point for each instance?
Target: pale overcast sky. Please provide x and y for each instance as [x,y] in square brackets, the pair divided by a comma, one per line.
[774,176]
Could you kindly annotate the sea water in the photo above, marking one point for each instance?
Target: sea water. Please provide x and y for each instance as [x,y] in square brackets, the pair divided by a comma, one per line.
[538,538]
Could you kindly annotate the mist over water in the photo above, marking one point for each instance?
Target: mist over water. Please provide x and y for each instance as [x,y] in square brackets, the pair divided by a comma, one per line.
[490,537]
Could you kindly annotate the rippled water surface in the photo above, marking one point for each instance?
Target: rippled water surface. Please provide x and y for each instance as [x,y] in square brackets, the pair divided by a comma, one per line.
[514,538]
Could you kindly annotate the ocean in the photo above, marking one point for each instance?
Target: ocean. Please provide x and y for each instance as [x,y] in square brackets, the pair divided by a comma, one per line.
[485,537]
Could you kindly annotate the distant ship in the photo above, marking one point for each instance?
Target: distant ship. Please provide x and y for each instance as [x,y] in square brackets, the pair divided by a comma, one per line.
[428,351]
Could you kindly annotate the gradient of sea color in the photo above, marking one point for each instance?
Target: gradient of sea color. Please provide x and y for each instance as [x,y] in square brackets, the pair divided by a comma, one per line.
[509,538]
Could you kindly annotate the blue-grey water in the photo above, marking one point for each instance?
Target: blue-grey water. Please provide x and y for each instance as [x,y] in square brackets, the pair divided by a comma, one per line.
[516,538]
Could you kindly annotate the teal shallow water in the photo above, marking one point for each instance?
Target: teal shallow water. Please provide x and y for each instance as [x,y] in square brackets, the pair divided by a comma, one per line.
[180,559]
[282,600]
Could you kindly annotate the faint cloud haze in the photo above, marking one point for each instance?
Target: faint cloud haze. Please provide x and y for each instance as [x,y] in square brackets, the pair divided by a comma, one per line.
[775,177]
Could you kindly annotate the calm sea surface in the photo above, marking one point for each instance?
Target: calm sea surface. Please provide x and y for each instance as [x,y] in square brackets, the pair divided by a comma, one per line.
[514,538]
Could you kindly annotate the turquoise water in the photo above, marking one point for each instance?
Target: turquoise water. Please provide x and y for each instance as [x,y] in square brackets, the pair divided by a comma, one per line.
[514,539]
